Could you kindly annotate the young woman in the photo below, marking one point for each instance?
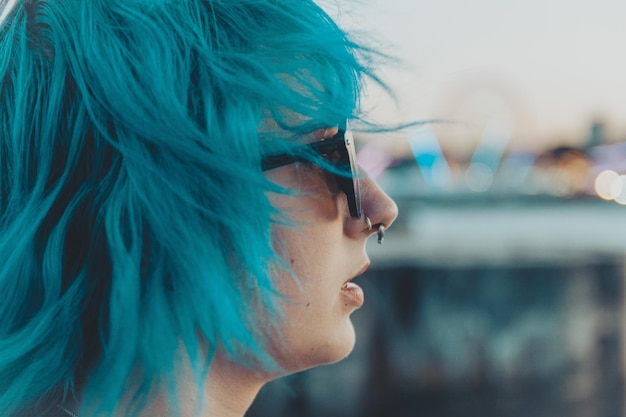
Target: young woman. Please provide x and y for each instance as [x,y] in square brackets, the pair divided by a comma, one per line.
[181,212]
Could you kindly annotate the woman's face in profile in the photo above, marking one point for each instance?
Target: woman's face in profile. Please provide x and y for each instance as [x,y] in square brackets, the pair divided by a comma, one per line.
[325,251]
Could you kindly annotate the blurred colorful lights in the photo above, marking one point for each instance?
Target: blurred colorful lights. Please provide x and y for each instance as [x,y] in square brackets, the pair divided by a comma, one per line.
[611,186]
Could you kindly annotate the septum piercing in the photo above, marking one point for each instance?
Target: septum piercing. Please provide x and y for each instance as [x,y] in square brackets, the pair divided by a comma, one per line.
[381,233]
[381,229]
[369,223]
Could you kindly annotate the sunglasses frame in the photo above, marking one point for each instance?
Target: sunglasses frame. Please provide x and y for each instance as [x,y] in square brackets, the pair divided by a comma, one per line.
[342,143]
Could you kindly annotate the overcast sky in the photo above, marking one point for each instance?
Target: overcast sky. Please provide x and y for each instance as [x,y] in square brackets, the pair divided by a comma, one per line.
[553,65]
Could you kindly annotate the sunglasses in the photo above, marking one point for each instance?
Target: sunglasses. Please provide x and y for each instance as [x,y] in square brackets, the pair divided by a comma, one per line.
[339,152]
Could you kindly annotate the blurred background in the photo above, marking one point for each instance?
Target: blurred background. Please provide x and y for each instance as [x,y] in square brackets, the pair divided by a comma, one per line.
[499,291]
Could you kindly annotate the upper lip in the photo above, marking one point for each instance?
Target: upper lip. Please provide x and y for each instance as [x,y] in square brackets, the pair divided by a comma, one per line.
[361,271]
[364,268]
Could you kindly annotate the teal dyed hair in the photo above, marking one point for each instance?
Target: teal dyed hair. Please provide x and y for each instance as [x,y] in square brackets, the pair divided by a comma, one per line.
[133,211]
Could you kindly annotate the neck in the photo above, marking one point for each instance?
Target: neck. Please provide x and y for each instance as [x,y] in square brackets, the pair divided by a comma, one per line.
[231,389]
[229,392]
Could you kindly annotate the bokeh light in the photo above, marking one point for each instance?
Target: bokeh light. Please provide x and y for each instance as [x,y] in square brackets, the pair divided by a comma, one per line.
[618,187]
[608,185]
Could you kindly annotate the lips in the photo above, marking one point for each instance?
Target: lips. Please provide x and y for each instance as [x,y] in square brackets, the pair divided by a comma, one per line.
[353,294]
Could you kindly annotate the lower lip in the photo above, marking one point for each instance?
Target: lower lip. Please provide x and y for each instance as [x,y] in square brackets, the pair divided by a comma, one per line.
[353,294]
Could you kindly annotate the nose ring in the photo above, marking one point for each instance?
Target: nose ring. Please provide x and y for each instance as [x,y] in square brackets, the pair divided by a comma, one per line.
[381,233]
[369,223]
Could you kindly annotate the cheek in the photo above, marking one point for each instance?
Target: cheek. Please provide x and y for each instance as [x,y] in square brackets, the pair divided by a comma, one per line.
[299,250]
[316,327]
[307,245]
[313,199]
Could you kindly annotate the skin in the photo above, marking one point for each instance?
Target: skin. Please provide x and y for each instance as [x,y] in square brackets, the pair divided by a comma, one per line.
[324,252]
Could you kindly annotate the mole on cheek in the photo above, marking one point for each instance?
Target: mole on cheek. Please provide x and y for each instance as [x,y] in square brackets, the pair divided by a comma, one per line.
[293,261]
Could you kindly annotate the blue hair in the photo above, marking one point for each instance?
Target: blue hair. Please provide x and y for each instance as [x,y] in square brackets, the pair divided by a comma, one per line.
[133,210]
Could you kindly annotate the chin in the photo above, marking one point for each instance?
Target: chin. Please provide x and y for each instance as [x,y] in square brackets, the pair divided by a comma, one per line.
[342,346]
[334,347]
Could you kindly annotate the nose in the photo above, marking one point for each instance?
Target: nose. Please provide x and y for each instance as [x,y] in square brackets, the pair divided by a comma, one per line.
[376,205]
